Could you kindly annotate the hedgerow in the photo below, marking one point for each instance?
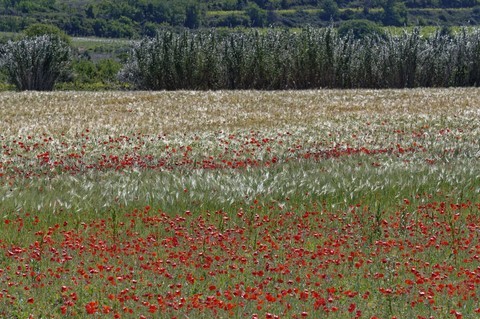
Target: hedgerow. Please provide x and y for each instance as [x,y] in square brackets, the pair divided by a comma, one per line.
[312,58]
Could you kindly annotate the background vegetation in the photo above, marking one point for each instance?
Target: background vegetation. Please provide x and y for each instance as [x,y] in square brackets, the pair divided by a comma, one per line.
[361,57]
[127,19]
[36,63]
[312,58]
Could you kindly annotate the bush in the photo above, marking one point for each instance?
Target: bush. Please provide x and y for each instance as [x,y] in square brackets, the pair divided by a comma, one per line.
[330,10]
[360,29]
[394,13]
[258,16]
[312,58]
[36,63]
[39,29]
[172,61]
[102,71]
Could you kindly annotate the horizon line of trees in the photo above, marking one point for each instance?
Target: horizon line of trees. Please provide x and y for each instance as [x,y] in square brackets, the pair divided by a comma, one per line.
[127,19]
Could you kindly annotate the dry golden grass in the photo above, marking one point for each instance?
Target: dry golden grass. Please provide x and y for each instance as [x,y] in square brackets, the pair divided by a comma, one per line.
[181,112]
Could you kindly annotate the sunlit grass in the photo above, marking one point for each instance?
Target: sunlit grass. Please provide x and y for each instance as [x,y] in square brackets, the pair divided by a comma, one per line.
[122,113]
[440,125]
[231,204]
[427,139]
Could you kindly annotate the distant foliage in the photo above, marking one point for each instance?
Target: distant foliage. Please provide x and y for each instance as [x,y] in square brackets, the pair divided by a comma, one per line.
[330,10]
[132,19]
[257,16]
[360,29]
[36,63]
[394,13]
[93,75]
[312,58]
[192,17]
[39,29]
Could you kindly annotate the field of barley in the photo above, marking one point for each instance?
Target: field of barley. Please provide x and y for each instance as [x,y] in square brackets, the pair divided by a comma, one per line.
[240,204]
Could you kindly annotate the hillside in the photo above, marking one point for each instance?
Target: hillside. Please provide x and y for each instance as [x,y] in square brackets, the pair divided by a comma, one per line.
[128,19]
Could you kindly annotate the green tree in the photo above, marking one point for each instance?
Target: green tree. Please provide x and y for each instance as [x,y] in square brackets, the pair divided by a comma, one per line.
[360,29]
[258,16]
[394,13]
[35,6]
[458,3]
[192,16]
[90,12]
[241,4]
[121,28]
[36,63]
[285,4]
[261,3]
[103,71]
[329,10]
[272,17]
[8,4]
[39,29]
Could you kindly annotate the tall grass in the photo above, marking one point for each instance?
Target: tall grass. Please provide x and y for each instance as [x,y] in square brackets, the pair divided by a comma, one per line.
[366,197]
[311,58]
[335,147]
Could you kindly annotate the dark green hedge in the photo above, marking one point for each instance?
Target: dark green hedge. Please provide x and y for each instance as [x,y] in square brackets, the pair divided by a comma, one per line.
[312,58]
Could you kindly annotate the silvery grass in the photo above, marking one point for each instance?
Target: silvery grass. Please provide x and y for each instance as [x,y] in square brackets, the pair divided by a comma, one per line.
[335,183]
[446,125]
[36,63]
[311,58]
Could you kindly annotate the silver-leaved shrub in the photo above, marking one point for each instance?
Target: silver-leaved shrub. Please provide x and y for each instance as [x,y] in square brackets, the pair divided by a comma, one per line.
[36,63]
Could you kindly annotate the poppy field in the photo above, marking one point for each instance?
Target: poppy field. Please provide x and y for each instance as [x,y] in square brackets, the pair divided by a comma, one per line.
[292,204]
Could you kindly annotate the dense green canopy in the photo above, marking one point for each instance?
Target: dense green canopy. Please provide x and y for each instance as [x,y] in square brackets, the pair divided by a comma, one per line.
[128,18]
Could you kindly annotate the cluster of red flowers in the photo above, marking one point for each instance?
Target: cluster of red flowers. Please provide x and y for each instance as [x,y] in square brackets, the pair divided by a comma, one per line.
[39,156]
[262,262]
[257,259]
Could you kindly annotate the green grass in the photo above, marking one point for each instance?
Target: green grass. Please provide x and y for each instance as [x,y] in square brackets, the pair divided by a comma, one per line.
[93,43]
[225,13]
[338,183]
[424,31]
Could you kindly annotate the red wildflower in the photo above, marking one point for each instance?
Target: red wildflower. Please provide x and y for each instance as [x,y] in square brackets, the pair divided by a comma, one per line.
[91,307]
[352,307]
[106,309]
[458,315]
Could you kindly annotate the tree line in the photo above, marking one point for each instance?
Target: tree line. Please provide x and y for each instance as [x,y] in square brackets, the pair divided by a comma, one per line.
[274,60]
[129,19]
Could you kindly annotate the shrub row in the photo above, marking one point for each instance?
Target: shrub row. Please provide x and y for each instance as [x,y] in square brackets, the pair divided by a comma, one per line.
[271,60]
[312,58]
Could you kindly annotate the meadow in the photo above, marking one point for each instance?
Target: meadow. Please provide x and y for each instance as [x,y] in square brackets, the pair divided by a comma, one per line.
[240,204]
